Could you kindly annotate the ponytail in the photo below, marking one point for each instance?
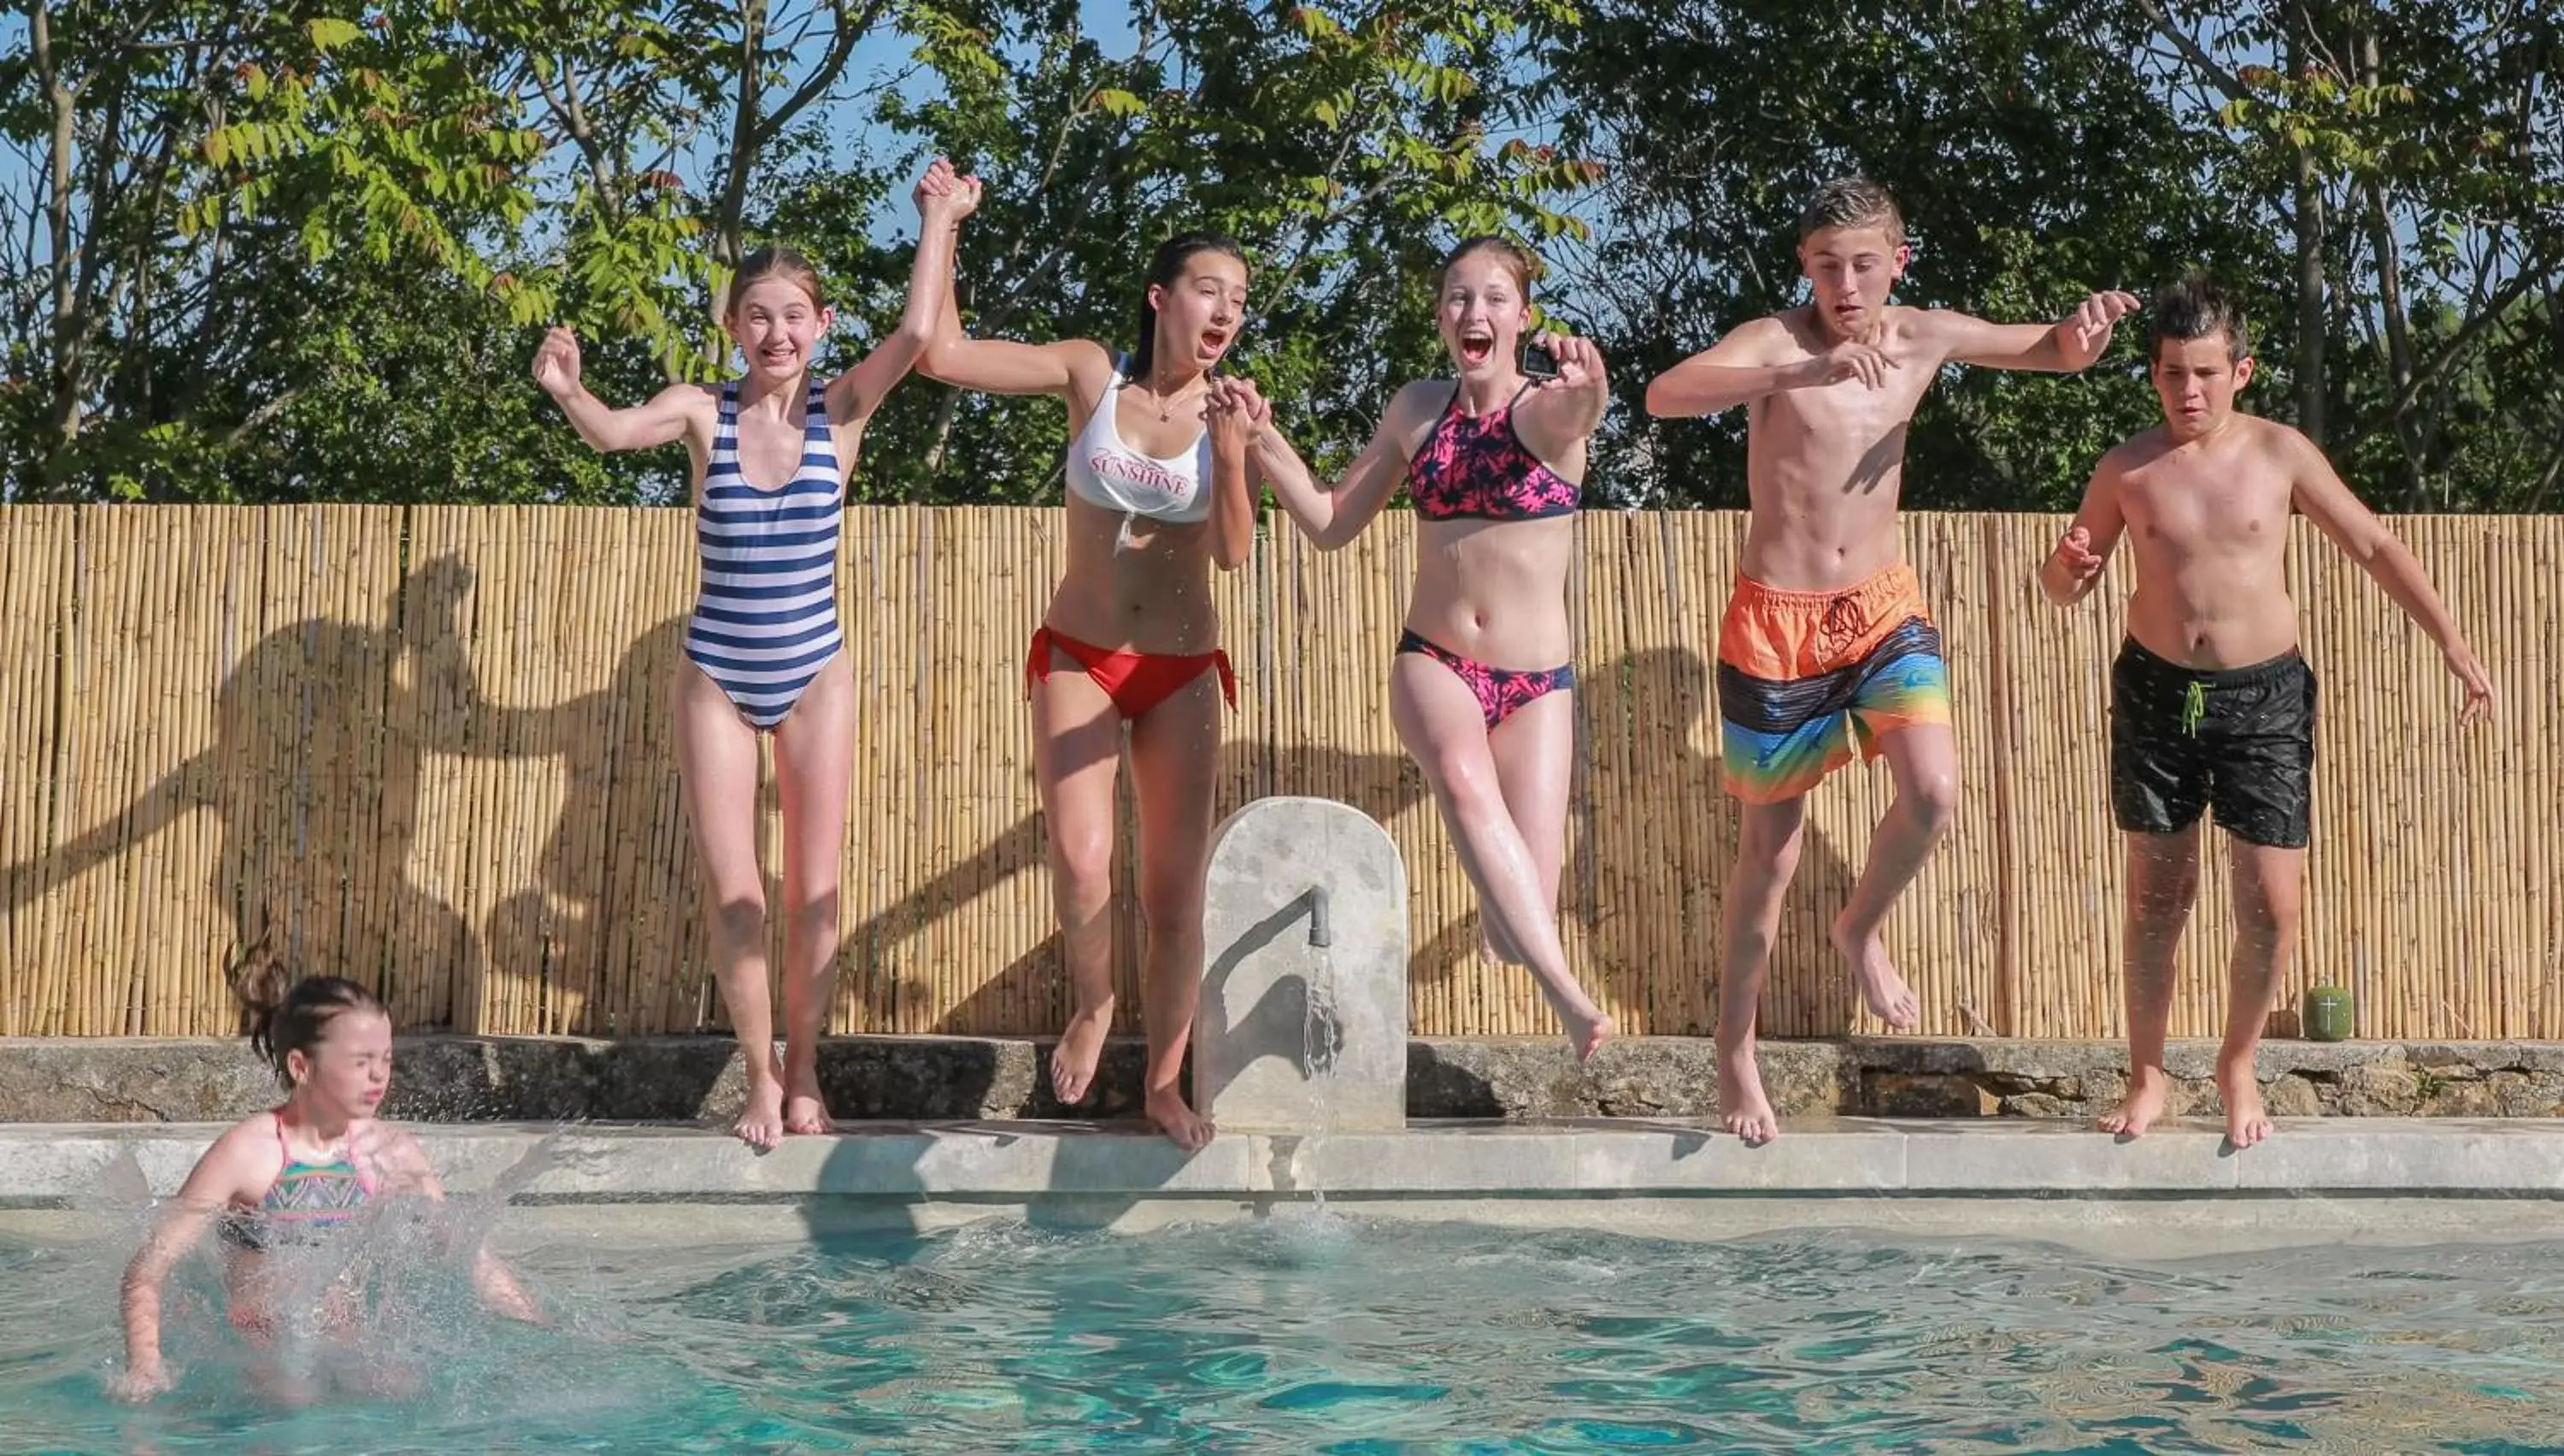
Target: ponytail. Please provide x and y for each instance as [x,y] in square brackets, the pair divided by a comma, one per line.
[283,1016]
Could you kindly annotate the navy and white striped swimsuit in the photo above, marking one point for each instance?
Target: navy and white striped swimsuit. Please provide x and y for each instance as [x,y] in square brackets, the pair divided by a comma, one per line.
[765,620]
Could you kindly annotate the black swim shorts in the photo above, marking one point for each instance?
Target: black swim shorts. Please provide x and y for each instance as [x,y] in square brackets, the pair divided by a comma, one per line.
[2241,740]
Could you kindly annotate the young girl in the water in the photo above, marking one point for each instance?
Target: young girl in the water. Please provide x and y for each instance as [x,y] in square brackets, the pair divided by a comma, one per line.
[292,1178]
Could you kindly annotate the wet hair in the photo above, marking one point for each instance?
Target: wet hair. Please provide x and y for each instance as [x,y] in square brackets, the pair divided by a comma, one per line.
[1518,259]
[2194,307]
[1853,202]
[784,262]
[282,1015]
[1163,268]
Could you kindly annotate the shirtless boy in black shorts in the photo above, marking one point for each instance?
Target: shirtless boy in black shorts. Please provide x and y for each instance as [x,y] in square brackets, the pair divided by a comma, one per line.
[2211,704]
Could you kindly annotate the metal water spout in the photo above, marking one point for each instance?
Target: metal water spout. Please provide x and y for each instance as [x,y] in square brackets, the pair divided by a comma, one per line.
[1303,1028]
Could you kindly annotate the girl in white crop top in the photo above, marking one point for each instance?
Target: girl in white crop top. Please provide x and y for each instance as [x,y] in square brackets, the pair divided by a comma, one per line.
[1103,468]
[1156,499]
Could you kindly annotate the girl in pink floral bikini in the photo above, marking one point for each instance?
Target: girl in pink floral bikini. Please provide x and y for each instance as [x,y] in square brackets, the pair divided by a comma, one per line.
[1481,688]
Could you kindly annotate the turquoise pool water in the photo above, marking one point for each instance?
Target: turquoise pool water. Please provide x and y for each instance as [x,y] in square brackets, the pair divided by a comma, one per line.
[1340,1336]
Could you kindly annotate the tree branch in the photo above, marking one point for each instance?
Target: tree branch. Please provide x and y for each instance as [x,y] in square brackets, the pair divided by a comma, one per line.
[2546,481]
[1318,224]
[573,113]
[258,418]
[2205,65]
[2429,372]
[842,48]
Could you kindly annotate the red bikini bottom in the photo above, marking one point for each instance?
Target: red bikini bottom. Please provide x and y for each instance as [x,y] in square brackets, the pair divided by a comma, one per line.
[1135,681]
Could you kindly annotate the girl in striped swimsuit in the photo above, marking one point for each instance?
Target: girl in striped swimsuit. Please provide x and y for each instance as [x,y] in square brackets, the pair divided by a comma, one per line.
[1131,642]
[288,1183]
[770,454]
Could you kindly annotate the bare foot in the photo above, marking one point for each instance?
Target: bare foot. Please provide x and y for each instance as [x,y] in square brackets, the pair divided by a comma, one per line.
[1170,1115]
[805,1112]
[1890,1000]
[2149,1092]
[1742,1107]
[762,1126]
[1081,1046]
[1586,1033]
[2245,1122]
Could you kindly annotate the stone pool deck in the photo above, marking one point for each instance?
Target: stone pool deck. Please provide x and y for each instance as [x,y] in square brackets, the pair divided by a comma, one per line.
[2175,1193]
[463,1079]
[2379,1140]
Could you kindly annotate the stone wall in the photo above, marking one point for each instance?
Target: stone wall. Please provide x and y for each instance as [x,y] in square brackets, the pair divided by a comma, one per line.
[685,1078]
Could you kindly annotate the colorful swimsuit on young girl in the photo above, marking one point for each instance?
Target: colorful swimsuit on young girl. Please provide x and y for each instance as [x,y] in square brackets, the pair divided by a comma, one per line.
[1106,471]
[306,1200]
[1478,469]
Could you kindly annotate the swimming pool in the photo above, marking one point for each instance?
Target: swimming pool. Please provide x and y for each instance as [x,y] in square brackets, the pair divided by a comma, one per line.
[1345,1335]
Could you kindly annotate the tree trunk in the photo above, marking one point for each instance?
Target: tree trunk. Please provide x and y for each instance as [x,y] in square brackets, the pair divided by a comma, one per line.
[2310,274]
[69,366]
[2390,304]
[731,204]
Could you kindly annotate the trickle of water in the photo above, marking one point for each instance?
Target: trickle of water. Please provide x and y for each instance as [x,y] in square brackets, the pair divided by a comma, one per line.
[1321,1032]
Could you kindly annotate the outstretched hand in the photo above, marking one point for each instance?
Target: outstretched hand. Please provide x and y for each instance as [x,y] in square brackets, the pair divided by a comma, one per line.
[1580,363]
[557,362]
[944,195]
[2478,705]
[2083,335]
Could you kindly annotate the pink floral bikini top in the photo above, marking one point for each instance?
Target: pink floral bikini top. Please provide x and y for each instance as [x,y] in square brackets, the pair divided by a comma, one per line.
[1478,469]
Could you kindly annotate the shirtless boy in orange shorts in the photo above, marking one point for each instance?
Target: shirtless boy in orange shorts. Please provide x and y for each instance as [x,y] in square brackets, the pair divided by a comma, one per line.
[1825,644]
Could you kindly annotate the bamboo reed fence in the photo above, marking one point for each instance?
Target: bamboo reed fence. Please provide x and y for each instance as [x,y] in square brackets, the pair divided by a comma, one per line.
[431,748]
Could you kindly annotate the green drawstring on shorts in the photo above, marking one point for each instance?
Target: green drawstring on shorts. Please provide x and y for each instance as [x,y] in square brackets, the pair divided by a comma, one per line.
[2194,707]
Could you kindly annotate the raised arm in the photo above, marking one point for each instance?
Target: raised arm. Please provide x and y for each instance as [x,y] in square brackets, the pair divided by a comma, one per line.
[942,201]
[662,421]
[1563,413]
[221,1177]
[1072,368]
[2073,569]
[2065,347]
[2320,493]
[1753,361]
[1332,515]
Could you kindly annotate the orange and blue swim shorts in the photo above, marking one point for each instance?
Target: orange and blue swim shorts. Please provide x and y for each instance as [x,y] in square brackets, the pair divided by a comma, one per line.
[1805,676]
